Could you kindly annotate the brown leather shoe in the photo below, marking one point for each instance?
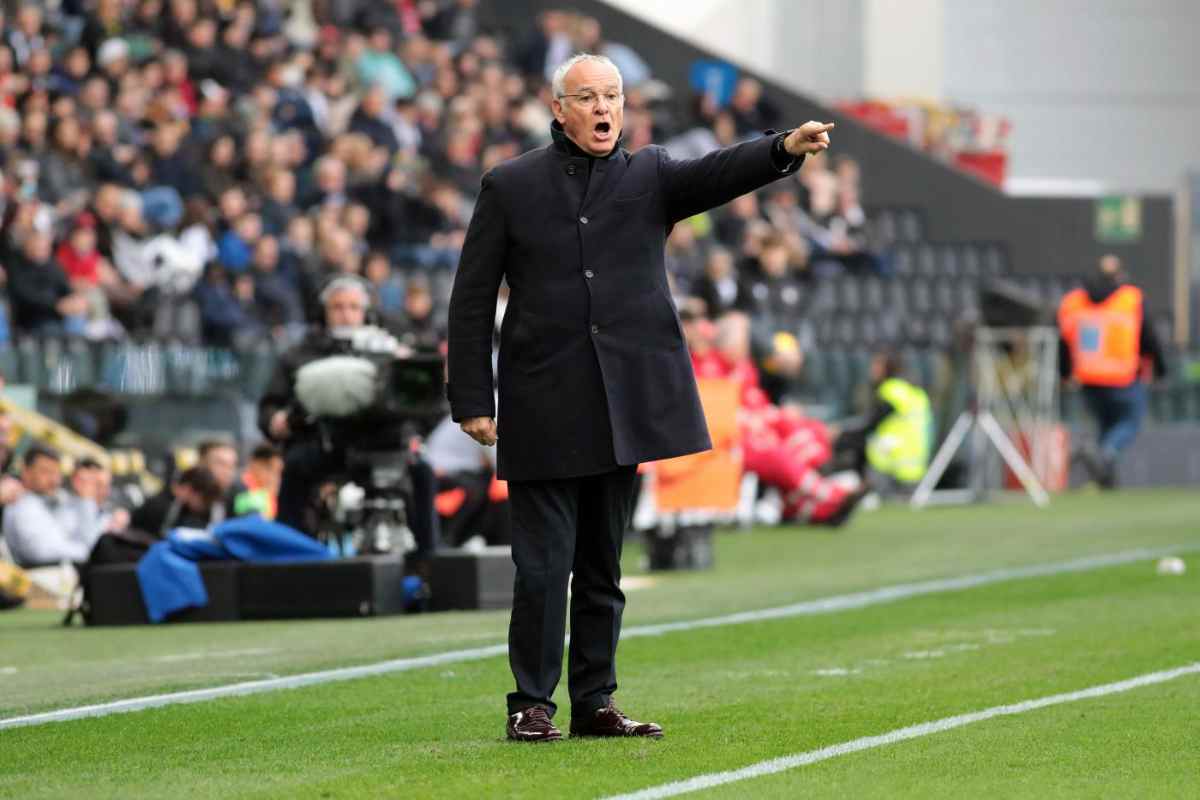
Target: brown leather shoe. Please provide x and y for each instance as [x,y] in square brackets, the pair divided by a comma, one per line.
[532,725]
[609,721]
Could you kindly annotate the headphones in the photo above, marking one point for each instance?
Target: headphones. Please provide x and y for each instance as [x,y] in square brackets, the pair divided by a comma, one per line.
[343,282]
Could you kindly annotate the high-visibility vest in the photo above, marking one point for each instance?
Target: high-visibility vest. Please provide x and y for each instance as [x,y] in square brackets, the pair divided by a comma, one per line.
[1105,337]
[900,445]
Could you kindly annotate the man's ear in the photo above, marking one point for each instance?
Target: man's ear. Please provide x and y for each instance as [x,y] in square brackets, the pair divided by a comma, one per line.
[557,107]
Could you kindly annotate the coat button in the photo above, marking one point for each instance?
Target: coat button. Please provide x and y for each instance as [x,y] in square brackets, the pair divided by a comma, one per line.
[571,169]
[583,220]
[587,273]
[595,329]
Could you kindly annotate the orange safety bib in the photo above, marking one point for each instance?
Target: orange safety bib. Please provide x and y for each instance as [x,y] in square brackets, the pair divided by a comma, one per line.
[1104,337]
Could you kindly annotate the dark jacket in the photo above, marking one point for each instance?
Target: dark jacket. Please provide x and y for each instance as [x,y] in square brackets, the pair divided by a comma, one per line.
[281,391]
[593,368]
[34,290]
[162,513]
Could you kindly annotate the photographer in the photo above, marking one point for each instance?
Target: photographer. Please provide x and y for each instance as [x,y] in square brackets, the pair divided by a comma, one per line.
[313,454]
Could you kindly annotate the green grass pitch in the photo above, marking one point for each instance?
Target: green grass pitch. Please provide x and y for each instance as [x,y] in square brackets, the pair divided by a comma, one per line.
[727,696]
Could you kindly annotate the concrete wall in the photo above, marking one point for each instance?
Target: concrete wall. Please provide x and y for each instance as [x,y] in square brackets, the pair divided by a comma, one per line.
[814,46]
[1096,89]
[1104,95]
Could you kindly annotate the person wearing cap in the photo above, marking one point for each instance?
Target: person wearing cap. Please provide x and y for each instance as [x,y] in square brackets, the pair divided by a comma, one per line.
[1109,350]
[594,375]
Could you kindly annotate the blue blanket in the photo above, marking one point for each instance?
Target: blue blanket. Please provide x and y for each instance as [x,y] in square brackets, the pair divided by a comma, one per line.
[168,575]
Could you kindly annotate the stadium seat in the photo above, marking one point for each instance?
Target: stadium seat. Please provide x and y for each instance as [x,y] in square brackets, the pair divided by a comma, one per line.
[911,226]
[904,261]
[927,261]
[9,364]
[920,295]
[972,260]
[995,260]
[824,298]
[945,296]
[849,294]
[885,228]
[872,294]
[948,263]
[895,297]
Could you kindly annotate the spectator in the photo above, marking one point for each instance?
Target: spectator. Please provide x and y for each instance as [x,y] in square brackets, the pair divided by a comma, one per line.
[46,525]
[718,287]
[684,256]
[380,68]
[228,315]
[419,329]
[278,300]
[752,112]
[589,39]
[193,500]
[257,490]
[220,457]
[388,288]
[43,303]
[11,487]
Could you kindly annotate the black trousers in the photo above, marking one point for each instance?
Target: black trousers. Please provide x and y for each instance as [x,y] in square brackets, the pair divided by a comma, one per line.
[559,528]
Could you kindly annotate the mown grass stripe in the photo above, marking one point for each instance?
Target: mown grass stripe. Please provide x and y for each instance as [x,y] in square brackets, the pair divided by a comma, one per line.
[826,605]
[776,765]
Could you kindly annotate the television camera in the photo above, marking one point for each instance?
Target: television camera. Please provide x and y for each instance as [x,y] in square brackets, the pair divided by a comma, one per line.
[374,407]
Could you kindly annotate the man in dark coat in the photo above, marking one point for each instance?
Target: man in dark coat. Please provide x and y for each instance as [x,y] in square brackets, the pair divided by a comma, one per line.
[594,375]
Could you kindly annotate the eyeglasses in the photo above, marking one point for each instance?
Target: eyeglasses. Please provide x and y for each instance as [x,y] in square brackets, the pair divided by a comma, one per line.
[592,98]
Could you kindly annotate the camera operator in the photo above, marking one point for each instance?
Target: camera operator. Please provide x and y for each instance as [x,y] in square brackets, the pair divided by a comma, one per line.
[311,455]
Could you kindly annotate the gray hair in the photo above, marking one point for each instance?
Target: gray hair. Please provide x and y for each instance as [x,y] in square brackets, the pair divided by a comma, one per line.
[560,74]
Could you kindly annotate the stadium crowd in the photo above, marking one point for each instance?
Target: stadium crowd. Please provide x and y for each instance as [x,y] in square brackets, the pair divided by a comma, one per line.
[197,170]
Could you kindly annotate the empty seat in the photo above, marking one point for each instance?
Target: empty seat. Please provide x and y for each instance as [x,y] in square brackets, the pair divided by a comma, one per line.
[995,260]
[872,294]
[920,296]
[824,299]
[894,296]
[927,261]
[971,256]
[885,228]
[849,294]
[904,261]
[945,297]
[911,227]
[948,261]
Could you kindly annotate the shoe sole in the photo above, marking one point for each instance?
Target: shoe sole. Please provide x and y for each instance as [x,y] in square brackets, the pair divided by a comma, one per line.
[614,736]
[539,740]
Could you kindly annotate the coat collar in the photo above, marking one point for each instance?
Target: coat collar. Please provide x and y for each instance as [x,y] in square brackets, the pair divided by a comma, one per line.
[563,144]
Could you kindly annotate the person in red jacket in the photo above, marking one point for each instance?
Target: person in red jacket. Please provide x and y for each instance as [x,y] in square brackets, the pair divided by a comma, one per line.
[780,445]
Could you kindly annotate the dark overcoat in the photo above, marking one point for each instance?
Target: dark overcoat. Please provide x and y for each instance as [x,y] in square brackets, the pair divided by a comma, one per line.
[593,370]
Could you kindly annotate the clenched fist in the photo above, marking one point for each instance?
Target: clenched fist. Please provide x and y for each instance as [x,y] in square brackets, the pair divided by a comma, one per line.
[481,429]
[809,139]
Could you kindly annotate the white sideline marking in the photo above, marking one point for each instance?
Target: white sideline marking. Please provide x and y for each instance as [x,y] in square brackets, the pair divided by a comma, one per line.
[826,605]
[785,763]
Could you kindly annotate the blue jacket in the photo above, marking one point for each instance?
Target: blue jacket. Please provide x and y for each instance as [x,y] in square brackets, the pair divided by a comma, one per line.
[168,575]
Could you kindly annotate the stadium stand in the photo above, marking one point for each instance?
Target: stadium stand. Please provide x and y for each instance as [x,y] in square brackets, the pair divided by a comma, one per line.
[180,177]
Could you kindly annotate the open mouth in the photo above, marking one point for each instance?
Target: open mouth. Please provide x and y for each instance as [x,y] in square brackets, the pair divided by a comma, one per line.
[602,129]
